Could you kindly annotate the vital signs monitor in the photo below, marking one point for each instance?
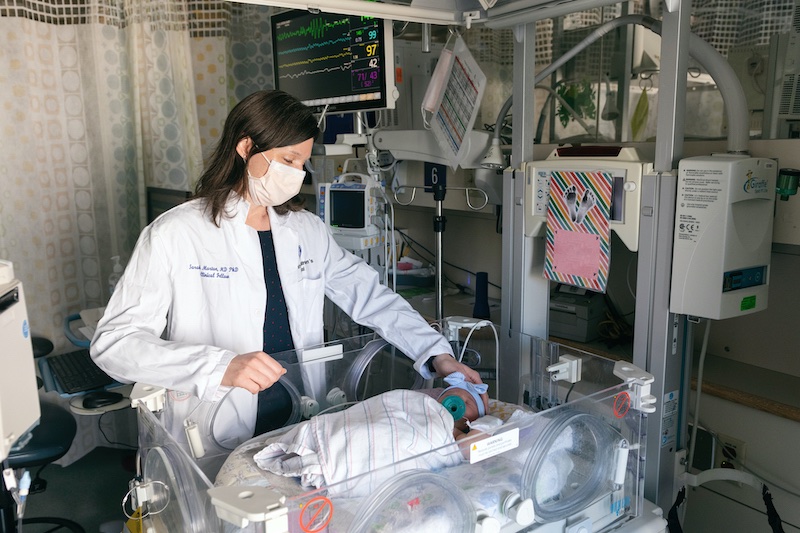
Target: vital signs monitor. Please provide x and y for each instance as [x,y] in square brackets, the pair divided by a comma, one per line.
[334,63]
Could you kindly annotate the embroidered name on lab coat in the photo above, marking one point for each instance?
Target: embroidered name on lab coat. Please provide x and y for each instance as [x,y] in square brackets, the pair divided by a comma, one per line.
[208,271]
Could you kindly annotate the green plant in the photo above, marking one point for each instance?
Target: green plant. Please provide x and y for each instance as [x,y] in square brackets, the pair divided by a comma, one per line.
[580,96]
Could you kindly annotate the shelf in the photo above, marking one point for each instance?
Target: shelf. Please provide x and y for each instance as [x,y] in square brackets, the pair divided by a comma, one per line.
[752,386]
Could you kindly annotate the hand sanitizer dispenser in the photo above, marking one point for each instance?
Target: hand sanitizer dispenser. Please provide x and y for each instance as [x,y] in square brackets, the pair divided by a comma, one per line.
[723,235]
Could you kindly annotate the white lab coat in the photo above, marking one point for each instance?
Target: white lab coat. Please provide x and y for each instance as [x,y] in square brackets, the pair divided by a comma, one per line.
[193,296]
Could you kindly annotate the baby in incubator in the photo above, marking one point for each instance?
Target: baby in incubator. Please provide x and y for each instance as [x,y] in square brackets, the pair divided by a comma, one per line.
[395,428]
[466,402]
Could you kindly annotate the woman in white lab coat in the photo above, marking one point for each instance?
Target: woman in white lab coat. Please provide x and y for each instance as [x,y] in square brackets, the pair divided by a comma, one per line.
[240,271]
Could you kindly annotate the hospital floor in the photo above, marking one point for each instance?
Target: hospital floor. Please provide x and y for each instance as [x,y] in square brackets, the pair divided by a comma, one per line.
[88,491]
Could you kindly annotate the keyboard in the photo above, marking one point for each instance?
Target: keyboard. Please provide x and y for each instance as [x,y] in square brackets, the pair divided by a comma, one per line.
[76,372]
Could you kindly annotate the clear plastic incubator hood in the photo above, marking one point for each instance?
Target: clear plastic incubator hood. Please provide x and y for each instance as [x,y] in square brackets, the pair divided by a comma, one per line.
[575,466]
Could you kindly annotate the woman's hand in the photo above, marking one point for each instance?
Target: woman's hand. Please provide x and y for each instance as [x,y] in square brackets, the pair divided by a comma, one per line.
[446,364]
[254,371]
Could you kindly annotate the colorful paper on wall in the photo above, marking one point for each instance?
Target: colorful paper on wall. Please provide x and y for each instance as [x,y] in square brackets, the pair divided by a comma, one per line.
[578,251]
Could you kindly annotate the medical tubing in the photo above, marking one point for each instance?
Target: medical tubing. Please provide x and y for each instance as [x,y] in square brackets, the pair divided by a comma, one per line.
[696,417]
[395,259]
[498,126]
[590,486]
[295,417]
[336,408]
[472,330]
[720,71]
[389,217]
[598,32]
[360,365]
[540,123]
[209,429]
[729,87]
[748,476]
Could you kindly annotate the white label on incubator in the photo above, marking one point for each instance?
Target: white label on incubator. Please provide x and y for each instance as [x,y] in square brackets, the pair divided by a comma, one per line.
[483,449]
[668,418]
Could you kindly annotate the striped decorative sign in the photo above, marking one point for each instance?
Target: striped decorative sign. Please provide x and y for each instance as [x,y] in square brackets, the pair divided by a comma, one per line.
[578,249]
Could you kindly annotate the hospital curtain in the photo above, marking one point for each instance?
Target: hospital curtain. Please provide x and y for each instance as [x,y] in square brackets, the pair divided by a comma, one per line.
[100,99]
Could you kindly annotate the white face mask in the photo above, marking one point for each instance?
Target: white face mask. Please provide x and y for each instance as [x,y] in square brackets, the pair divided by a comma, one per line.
[279,184]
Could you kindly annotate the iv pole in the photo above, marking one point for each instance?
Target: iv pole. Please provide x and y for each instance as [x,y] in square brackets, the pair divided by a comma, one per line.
[439,222]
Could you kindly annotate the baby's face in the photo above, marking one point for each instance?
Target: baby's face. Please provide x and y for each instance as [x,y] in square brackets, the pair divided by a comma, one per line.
[471,412]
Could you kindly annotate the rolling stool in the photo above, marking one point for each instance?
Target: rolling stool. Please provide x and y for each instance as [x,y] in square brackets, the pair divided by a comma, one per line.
[50,441]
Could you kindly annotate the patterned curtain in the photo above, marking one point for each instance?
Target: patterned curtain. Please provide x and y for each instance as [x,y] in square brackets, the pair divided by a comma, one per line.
[101,99]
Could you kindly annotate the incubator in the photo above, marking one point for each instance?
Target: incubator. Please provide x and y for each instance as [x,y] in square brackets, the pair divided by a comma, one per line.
[567,457]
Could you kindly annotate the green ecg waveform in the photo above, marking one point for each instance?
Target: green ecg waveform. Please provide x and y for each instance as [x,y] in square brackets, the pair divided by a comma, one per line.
[316,28]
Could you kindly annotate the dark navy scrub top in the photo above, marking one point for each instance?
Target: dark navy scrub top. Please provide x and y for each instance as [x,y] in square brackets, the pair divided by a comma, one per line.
[274,403]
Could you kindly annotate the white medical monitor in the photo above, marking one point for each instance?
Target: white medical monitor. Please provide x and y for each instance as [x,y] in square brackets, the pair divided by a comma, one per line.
[19,397]
[347,206]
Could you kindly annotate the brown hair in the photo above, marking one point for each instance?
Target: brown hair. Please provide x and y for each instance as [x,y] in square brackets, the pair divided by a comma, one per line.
[271,119]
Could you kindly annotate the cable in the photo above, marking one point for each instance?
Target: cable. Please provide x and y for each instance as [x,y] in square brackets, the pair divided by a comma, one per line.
[408,238]
[322,117]
[407,243]
[566,398]
[631,290]
[391,259]
[614,328]
[479,325]
[766,479]
[102,432]
[696,416]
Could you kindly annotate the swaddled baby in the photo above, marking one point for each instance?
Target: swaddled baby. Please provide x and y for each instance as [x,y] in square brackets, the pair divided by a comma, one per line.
[393,431]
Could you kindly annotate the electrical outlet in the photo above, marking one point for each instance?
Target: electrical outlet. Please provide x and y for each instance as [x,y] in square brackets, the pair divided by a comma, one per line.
[729,452]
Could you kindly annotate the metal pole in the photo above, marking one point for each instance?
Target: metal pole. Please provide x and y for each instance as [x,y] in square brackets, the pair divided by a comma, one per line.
[525,292]
[660,340]
[439,222]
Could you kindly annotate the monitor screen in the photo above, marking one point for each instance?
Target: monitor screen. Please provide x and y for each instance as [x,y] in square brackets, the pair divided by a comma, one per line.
[347,208]
[344,62]
[160,200]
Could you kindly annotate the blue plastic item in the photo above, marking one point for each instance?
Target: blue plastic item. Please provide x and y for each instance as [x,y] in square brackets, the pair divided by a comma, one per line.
[81,343]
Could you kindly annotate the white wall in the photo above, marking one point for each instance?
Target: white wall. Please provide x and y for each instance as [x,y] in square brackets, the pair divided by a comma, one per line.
[469,241]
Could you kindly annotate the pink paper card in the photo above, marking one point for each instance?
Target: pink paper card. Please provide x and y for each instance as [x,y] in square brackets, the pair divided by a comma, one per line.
[578,251]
